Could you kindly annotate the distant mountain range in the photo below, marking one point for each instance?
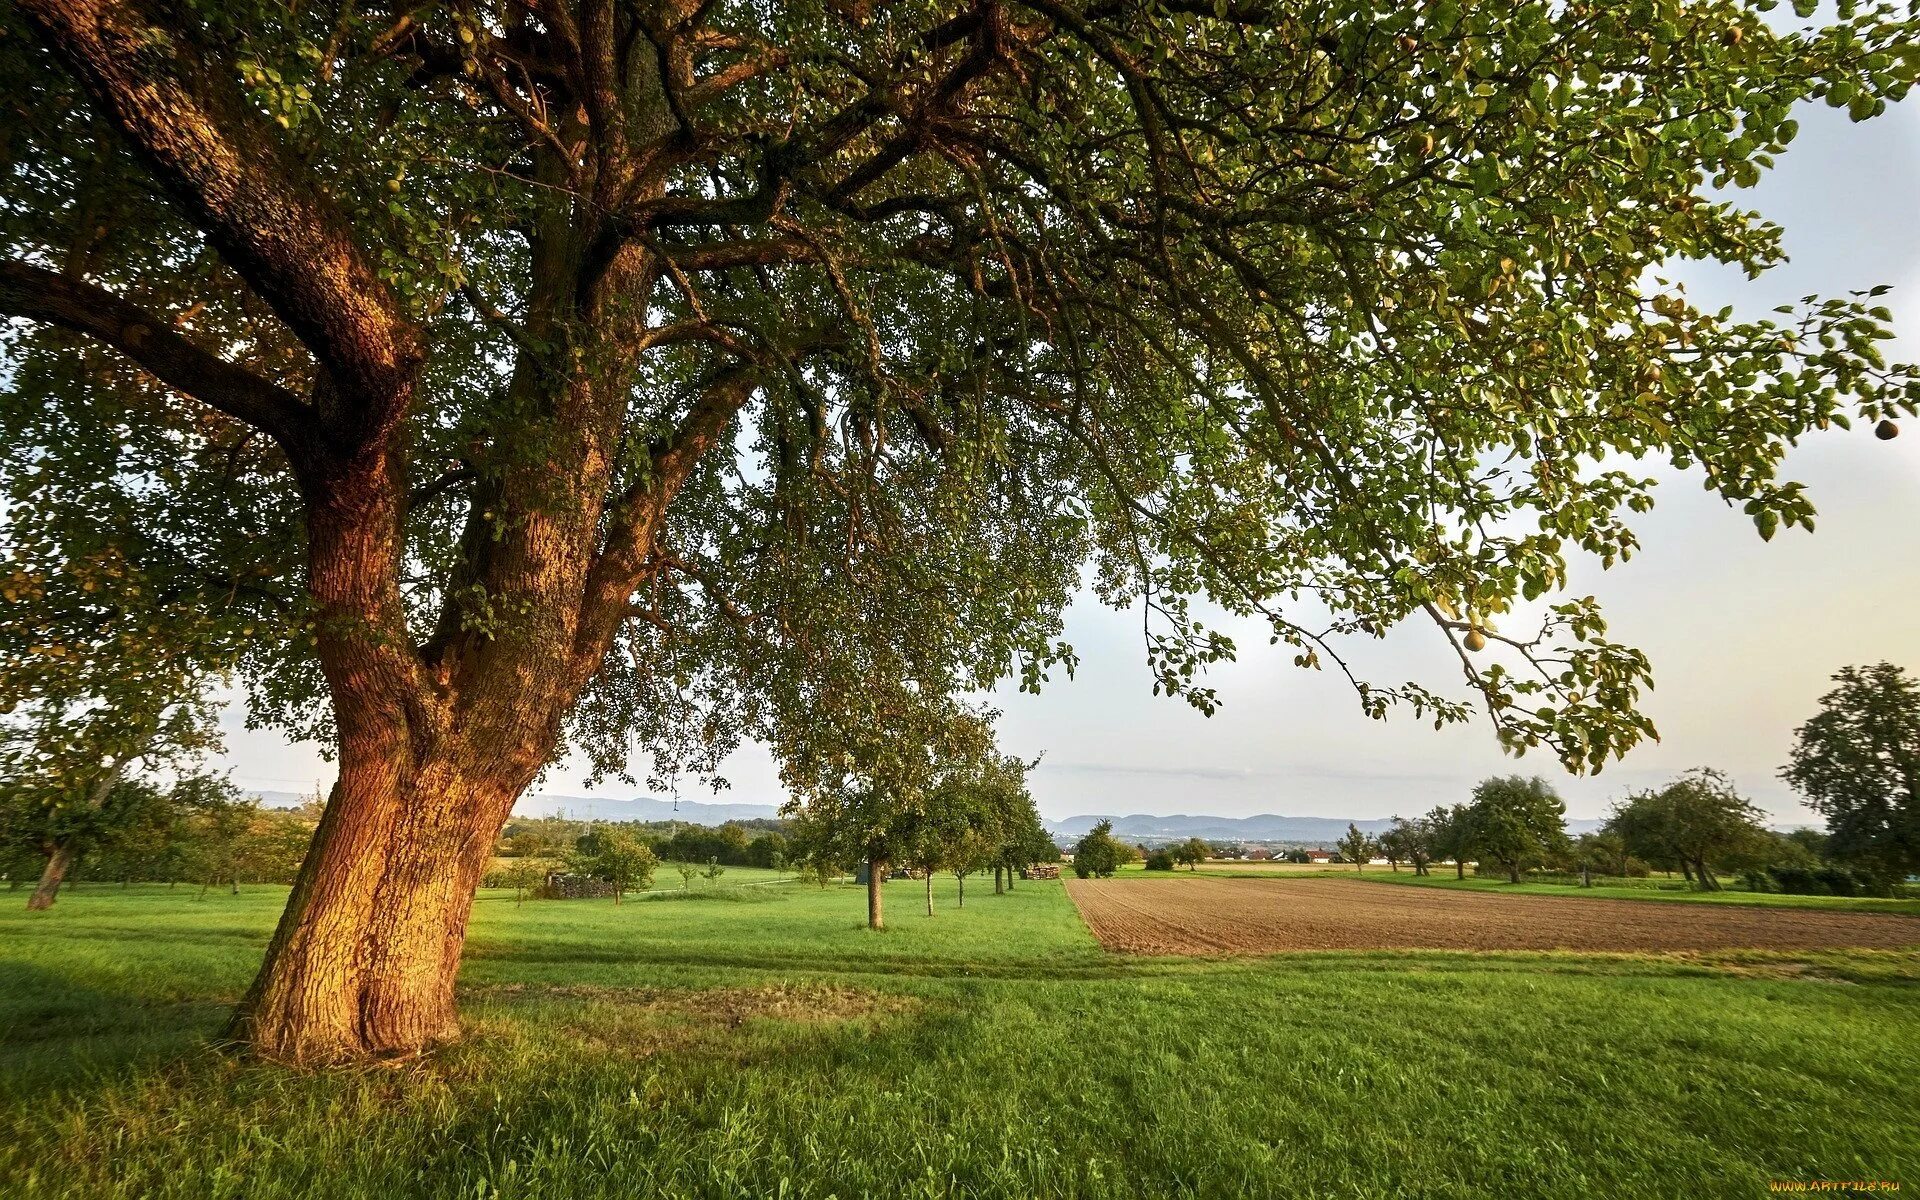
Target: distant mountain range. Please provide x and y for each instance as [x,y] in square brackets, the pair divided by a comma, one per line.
[1266,827]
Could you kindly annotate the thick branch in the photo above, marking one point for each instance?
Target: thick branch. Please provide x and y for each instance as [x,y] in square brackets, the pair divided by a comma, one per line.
[228,170]
[634,523]
[42,295]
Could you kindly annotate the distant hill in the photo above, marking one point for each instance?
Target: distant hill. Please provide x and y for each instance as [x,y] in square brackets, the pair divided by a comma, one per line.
[1265,827]
[640,808]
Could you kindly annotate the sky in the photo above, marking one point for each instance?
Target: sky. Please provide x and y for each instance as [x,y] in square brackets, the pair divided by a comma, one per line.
[1743,635]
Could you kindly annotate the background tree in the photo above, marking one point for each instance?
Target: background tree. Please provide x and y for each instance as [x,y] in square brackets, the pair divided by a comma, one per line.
[618,855]
[1602,851]
[523,875]
[1191,852]
[69,772]
[1698,821]
[1356,847]
[596,370]
[1029,842]
[1516,822]
[1453,836]
[1097,853]
[1412,840]
[1858,764]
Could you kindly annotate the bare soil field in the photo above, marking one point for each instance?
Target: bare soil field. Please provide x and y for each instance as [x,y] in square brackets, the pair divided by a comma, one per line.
[1265,916]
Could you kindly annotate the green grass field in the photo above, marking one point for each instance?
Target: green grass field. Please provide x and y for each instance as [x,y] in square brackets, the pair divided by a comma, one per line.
[756,1041]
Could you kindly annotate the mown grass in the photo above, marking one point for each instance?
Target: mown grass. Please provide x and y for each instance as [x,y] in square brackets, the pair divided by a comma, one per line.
[773,1047]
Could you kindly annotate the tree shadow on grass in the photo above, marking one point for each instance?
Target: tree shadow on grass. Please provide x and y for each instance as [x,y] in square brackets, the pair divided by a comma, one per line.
[56,1033]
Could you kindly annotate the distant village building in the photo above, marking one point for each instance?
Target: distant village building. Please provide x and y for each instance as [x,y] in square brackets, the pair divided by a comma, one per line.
[1319,856]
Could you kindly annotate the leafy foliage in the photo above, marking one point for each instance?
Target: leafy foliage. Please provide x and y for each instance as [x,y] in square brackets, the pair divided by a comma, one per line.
[1696,822]
[1097,854]
[1333,316]
[1857,761]
[1516,822]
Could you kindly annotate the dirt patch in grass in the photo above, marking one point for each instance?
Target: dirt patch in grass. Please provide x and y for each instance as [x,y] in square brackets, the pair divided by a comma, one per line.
[1206,916]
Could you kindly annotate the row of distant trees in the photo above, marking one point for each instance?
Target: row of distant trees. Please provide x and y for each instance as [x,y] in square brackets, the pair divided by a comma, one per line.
[1697,825]
[197,830]
[927,789]
[1857,762]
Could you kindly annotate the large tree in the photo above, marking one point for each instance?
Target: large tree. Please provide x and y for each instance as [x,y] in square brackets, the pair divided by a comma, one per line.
[1698,822]
[614,372]
[1516,822]
[1857,761]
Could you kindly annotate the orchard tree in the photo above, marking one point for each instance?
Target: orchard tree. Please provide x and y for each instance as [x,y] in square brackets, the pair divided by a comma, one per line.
[618,854]
[1858,763]
[1356,846]
[70,772]
[1098,853]
[1413,841]
[884,790]
[1191,852]
[613,374]
[1698,821]
[1516,822]
[1452,836]
[1602,850]
[1030,842]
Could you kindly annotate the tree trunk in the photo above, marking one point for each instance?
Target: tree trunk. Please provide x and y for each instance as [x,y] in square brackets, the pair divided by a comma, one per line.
[876,871]
[1513,872]
[1686,872]
[364,959]
[929,891]
[997,872]
[962,881]
[1586,876]
[58,863]
[1707,882]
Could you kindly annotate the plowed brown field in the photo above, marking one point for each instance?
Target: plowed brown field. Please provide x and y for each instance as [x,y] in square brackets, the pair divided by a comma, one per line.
[1264,916]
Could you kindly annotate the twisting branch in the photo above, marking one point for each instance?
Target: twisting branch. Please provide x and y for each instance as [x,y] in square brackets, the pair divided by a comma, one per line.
[224,164]
[153,343]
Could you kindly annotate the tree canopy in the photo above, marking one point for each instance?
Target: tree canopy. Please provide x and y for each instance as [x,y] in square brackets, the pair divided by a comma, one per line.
[1515,821]
[614,375]
[1697,822]
[1857,761]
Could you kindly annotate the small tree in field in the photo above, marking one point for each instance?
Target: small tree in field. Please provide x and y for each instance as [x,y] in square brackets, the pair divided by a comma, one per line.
[1452,836]
[1098,853]
[1697,822]
[522,875]
[1356,847]
[624,860]
[1516,822]
[1411,840]
[1191,853]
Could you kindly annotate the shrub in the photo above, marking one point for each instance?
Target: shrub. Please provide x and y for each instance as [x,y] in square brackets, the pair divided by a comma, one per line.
[1160,860]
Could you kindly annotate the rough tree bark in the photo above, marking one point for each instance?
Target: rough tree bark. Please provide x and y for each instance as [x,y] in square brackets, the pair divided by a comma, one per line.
[59,861]
[876,872]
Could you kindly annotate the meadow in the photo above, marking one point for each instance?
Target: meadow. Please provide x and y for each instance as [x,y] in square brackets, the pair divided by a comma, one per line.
[752,1039]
